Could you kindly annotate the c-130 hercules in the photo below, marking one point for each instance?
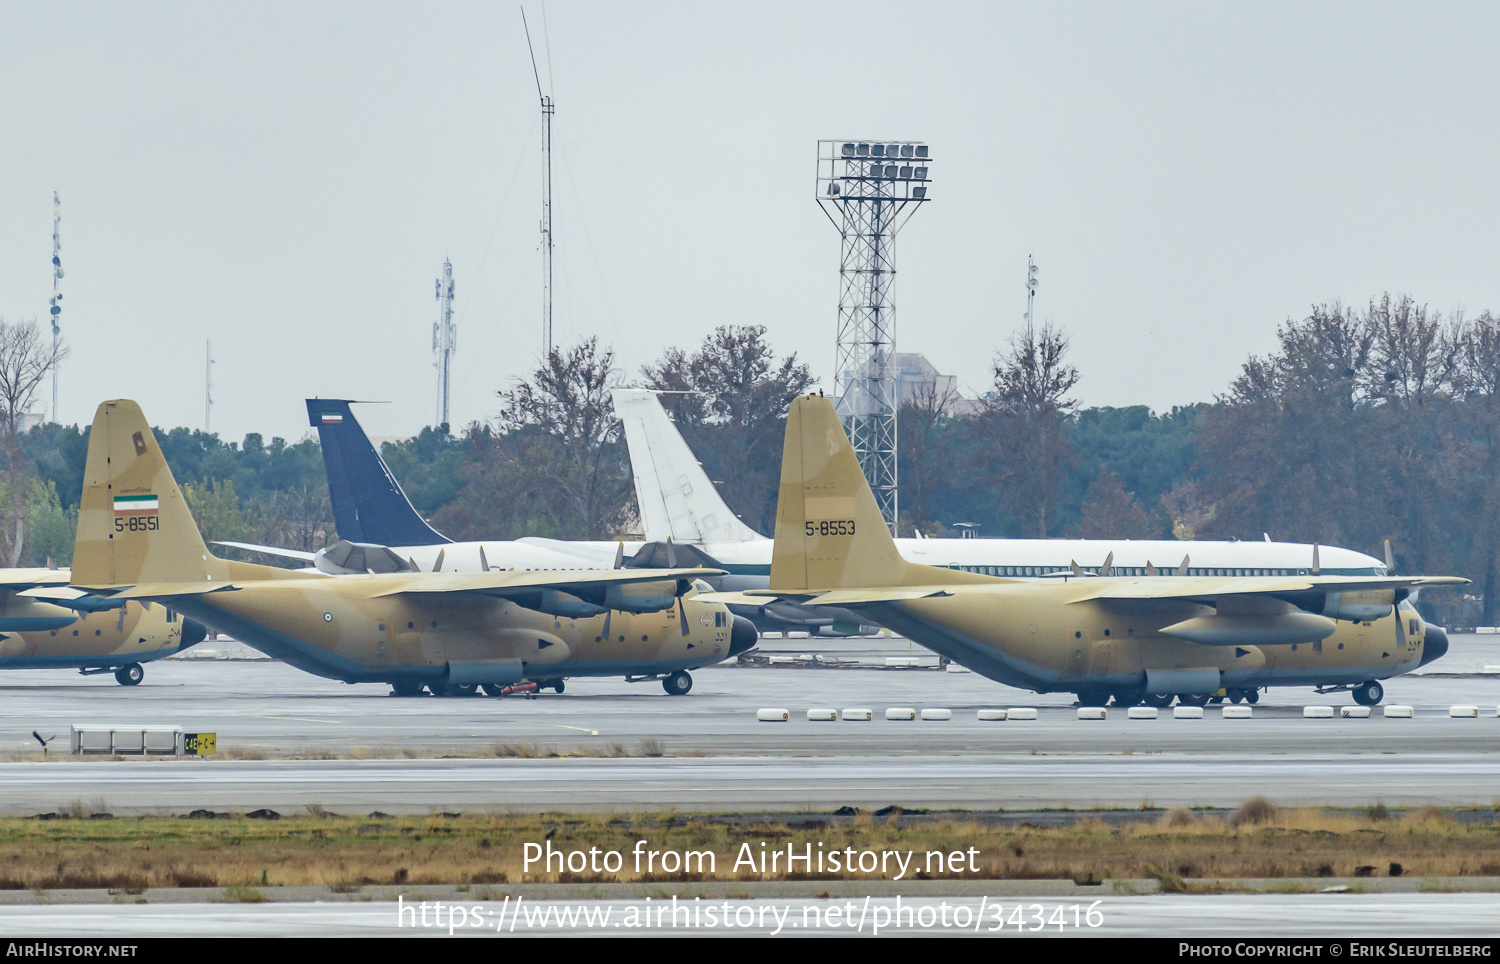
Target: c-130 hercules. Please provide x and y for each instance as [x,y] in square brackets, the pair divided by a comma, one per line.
[445,631]
[1150,638]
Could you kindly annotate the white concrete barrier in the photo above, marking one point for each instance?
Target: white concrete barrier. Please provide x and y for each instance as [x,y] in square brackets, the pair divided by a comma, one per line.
[821,715]
[773,715]
[1141,713]
[1486,630]
[1317,712]
[1463,711]
[903,661]
[1187,712]
[900,713]
[937,714]
[1236,711]
[1397,711]
[955,668]
[1092,713]
[1490,670]
[1354,712]
[782,660]
[858,714]
[991,716]
[1021,713]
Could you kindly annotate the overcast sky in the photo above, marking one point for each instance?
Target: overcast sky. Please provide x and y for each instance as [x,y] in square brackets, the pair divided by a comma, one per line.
[286,179]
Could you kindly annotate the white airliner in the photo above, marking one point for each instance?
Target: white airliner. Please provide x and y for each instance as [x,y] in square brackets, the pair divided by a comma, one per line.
[686,522]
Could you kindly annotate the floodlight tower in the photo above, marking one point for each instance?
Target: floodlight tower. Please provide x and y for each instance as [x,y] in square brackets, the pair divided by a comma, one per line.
[56,306]
[444,339]
[869,190]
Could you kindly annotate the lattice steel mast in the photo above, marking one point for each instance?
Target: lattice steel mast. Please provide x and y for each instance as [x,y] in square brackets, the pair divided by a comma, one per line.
[547,110]
[869,190]
[444,339]
[56,304]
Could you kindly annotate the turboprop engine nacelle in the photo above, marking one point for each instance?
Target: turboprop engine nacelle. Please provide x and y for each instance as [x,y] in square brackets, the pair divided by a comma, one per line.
[1359,607]
[1268,629]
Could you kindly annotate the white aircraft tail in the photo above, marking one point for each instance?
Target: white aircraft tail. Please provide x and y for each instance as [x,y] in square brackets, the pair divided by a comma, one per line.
[676,498]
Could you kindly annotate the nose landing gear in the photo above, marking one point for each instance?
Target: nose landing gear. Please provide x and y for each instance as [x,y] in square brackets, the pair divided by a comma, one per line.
[1368,693]
[677,684]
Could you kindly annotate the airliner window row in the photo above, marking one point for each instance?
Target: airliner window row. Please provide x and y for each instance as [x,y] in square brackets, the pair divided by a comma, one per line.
[1139,571]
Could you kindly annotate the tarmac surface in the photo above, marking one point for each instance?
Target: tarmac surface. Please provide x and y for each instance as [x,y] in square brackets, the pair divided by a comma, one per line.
[1367,917]
[719,757]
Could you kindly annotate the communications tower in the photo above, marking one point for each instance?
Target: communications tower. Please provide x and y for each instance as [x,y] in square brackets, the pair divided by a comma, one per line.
[869,190]
[444,339]
[547,111]
[56,305]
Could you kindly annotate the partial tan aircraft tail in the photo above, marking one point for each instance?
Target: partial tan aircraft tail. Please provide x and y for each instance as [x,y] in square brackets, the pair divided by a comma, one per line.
[133,525]
[829,531]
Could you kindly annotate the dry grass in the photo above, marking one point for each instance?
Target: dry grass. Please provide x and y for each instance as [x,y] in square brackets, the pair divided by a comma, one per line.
[345,852]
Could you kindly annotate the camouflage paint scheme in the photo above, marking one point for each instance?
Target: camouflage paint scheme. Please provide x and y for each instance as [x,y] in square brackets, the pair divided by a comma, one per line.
[433,628]
[1081,634]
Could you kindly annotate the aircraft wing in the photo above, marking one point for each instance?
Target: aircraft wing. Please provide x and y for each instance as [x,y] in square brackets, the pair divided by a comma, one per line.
[17,580]
[505,583]
[271,551]
[1207,590]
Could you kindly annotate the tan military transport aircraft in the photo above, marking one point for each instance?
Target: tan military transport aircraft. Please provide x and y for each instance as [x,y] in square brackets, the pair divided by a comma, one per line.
[44,624]
[1136,638]
[449,632]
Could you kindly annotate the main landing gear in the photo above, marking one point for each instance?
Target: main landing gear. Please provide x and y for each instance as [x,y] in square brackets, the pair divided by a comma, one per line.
[1368,693]
[677,684]
[130,674]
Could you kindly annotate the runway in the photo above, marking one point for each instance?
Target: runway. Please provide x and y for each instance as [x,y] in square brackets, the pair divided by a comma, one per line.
[718,757]
[1267,916]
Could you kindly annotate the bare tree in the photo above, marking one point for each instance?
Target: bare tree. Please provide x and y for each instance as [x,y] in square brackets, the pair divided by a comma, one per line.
[26,358]
[1026,412]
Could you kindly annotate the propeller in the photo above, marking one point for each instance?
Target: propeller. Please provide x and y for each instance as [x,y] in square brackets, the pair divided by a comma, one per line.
[438,565]
[620,556]
[1109,565]
[120,624]
[607,614]
[1152,570]
[682,615]
[1182,570]
[1077,569]
[671,554]
[1390,559]
[484,564]
[1315,567]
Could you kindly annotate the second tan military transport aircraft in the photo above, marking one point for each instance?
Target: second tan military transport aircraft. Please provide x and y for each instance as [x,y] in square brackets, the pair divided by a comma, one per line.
[1137,638]
[412,630]
[46,625]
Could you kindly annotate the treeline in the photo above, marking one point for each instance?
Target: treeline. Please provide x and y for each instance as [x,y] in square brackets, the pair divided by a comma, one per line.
[1363,425]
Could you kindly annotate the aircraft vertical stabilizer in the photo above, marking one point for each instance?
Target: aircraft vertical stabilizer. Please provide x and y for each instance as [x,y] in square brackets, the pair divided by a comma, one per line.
[369,505]
[676,498]
[829,531]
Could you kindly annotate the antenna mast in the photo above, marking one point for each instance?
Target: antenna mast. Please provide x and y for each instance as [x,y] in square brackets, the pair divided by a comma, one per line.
[444,338]
[547,109]
[208,382]
[56,307]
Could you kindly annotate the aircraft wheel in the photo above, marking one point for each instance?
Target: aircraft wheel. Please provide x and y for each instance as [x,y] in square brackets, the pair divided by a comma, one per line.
[678,683]
[1160,700]
[1092,698]
[1234,696]
[557,685]
[457,689]
[1127,699]
[1369,693]
[130,674]
[1252,696]
[403,687]
[1193,699]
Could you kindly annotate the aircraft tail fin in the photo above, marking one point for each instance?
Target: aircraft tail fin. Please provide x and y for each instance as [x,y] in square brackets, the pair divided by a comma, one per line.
[133,525]
[829,531]
[369,505]
[676,498]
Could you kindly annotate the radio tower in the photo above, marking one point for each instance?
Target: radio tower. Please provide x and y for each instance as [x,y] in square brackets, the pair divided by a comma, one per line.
[547,109]
[869,190]
[56,307]
[444,338]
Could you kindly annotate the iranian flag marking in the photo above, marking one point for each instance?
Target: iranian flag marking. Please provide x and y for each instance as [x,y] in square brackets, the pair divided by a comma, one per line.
[135,505]
[332,418]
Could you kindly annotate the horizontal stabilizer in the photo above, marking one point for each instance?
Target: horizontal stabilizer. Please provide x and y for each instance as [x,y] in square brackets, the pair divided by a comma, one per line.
[270,550]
